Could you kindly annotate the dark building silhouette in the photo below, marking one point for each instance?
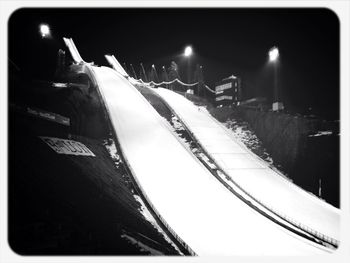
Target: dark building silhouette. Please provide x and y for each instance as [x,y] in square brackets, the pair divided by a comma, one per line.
[228,91]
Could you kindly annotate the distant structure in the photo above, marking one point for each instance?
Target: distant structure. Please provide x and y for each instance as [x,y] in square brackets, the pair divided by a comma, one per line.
[257,103]
[228,92]
[61,63]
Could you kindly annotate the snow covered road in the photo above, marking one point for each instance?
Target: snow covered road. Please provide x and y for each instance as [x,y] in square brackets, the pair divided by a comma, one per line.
[209,218]
[253,174]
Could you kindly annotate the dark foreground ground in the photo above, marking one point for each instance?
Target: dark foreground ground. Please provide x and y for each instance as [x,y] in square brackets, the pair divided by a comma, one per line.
[67,204]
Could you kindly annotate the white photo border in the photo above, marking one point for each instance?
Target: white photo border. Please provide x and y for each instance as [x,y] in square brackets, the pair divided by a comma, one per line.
[340,8]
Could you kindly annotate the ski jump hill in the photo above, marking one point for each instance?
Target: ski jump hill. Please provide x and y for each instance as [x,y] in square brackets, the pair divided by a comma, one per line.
[256,212]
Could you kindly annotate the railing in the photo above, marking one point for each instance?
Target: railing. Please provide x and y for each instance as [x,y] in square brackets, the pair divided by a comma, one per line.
[173,81]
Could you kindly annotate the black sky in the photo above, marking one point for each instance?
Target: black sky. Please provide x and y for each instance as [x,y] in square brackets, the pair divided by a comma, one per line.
[225,41]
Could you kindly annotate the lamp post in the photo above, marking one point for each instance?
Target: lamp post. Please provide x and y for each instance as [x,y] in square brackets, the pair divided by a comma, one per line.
[133,71]
[165,77]
[144,72]
[188,54]
[155,73]
[274,59]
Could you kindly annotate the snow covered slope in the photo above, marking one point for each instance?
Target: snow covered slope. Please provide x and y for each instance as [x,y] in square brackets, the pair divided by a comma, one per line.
[209,218]
[253,174]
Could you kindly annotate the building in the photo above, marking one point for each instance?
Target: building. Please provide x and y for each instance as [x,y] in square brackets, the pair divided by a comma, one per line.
[228,92]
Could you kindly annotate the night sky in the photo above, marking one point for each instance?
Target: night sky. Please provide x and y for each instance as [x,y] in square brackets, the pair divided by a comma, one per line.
[225,42]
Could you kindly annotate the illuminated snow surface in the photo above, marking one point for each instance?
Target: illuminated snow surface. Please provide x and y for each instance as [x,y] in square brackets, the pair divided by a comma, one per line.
[252,173]
[112,150]
[209,218]
[149,217]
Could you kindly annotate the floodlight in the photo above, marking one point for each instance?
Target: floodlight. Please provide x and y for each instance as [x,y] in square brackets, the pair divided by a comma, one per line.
[188,51]
[273,54]
[44,30]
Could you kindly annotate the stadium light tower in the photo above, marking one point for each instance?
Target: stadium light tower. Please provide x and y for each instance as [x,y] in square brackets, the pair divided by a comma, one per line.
[44,30]
[274,55]
[188,53]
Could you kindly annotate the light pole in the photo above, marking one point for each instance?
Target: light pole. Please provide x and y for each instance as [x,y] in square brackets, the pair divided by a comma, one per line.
[188,54]
[274,59]
[165,77]
[144,72]
[133,71]
[155,72]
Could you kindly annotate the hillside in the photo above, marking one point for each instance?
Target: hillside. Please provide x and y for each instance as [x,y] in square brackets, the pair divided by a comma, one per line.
[72,204]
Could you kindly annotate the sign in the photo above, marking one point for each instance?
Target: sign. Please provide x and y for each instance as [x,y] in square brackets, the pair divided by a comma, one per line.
[70,147]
